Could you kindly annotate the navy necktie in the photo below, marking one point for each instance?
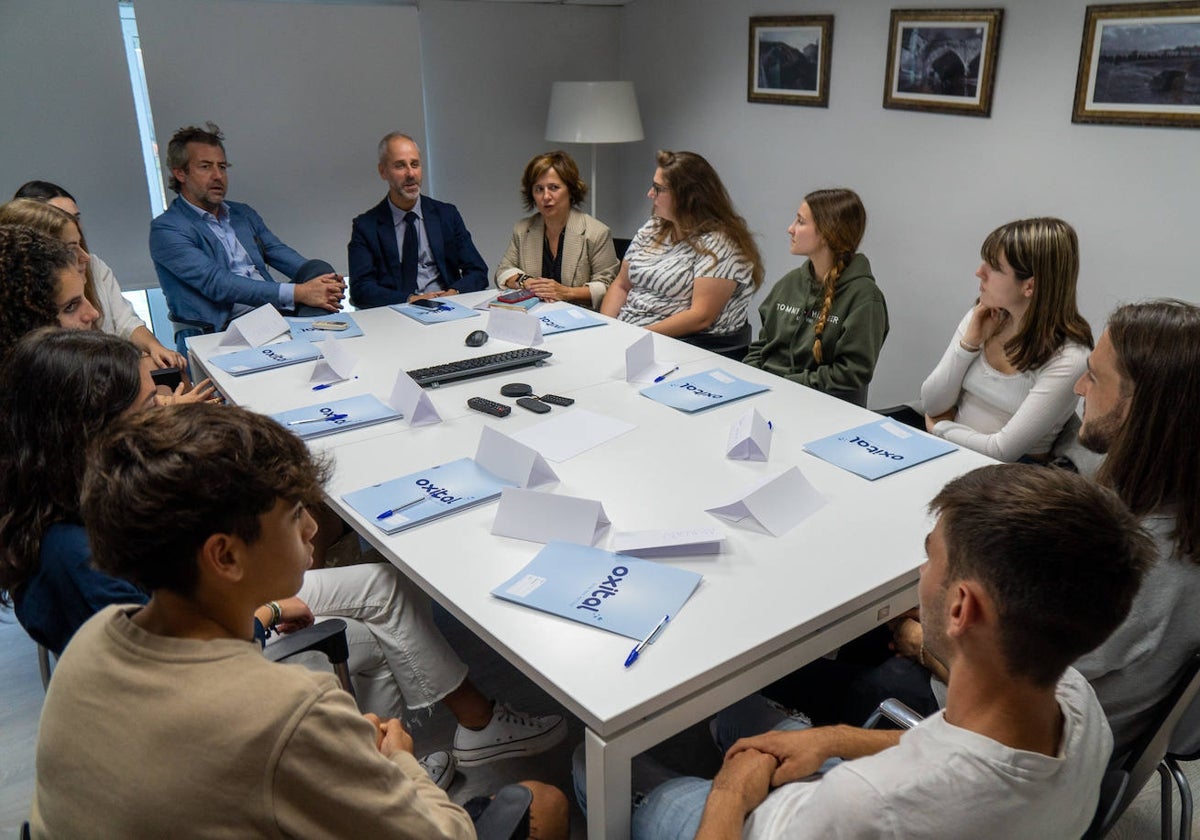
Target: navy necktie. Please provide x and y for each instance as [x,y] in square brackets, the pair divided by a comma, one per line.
[408,257]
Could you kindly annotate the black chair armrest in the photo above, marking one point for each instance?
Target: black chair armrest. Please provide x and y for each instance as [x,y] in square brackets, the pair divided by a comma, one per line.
[328,637]
[505,814]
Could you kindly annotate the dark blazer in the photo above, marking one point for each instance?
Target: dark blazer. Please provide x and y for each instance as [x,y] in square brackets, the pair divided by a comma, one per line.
[374,260]
[193,267]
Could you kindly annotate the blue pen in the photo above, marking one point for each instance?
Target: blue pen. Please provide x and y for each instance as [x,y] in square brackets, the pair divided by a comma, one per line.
[665,375]
[387,513]
[318,419]
[637,649]
[325,385]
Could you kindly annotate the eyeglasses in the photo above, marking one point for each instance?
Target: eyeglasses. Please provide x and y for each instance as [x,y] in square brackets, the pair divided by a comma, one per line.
[658,189]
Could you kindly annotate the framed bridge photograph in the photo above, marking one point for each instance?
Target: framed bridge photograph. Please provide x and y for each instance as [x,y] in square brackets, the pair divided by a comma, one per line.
[789,60]
[943,60]
[1140,65]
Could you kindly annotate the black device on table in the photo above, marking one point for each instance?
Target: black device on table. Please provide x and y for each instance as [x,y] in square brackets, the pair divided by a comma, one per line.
[479,366]
[478,338]
[520,389]
[488,407]
[427,303]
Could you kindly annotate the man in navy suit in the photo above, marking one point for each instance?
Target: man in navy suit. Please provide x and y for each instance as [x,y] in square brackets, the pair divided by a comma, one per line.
[410,246]
[211,255]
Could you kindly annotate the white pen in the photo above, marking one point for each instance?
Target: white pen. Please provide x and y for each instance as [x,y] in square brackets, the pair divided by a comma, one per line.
[637,649]
[318,419]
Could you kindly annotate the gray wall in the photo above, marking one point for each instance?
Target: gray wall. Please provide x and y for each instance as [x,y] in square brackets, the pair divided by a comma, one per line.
[488,69]
[934,185]
[68,118]
[303,92]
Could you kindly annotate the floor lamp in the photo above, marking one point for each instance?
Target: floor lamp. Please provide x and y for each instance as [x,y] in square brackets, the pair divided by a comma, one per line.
[593,112]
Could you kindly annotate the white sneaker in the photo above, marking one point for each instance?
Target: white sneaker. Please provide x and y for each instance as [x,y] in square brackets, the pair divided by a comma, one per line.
[509,734]
[439,766]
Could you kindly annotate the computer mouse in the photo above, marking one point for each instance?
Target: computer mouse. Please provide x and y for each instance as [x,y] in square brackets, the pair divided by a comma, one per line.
[477,338]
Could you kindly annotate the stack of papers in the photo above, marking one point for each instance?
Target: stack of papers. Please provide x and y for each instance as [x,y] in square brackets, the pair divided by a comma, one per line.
[267,357]
[878,449]
[337,416]
[426,495]
[702,390]
[614,592]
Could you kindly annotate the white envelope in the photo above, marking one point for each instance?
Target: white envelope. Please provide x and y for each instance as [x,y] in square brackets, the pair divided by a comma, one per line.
[778,503]
[546,517]
[411,401]
[501,455]
[256,327]
[673,542]
[749,438]
[337,362]
[640,365]
[517,327]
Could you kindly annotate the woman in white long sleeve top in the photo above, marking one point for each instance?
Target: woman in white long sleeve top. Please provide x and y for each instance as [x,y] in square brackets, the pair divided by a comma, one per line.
[1004,384]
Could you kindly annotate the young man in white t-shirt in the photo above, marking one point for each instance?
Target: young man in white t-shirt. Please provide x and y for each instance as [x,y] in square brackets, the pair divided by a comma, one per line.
[1027,569]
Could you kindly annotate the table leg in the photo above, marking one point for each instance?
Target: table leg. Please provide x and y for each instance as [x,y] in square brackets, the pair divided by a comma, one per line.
[608,788]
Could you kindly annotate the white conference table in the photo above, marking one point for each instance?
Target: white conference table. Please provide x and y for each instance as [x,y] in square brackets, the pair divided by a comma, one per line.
[766,606]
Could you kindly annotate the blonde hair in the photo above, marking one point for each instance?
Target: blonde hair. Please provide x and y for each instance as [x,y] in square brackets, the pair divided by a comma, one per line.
[50,220]
[841,220]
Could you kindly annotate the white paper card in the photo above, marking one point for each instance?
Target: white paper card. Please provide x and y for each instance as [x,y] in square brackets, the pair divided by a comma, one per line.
[778,503]
[517,327]
[568,434]
[500,455]
[640,365]
[337,363]
[749,438]
[256,327]
[546,517]
[671,542]
[410,400]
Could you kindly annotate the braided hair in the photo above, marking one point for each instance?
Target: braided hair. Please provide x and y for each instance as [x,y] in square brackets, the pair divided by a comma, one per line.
[840,219]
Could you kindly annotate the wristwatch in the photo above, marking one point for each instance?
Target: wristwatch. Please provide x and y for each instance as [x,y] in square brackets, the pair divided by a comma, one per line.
[521,278]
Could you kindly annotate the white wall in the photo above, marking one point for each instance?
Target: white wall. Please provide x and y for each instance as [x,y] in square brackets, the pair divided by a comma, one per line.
[488,68]
[68,118]
[934,185]
[303,92]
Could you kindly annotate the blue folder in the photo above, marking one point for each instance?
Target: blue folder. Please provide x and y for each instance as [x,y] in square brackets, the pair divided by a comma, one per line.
[303,328]
[878,449]
[436,492]
[615,592]
[702,390]
[565,320]
[364,410]
[267,357]
[447,310]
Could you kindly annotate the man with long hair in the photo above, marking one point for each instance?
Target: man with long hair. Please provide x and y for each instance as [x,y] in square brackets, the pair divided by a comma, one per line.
[1141,396]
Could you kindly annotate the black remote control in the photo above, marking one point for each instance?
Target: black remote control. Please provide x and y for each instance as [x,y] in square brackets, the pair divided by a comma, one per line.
[536,406]
[556,400]
[488,407]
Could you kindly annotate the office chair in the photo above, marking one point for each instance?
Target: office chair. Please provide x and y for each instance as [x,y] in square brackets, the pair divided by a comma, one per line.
[621,246]
[327,637]
[1171,761]
[44,665]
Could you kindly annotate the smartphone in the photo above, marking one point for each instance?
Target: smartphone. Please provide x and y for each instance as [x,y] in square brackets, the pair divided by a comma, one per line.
[516,296]
[335,326]
[427,303]
[170,377]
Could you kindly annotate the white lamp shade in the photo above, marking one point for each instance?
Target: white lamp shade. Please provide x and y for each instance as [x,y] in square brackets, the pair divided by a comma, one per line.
[593,112]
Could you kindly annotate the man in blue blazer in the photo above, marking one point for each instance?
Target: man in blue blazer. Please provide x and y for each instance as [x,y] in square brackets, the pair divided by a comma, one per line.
[211,255]
[387,265]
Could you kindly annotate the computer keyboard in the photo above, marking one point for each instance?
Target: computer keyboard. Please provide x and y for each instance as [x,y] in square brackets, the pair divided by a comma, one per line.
[478,366]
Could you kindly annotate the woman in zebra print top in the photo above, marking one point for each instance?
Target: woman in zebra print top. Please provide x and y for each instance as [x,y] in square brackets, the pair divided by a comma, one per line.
[693,267]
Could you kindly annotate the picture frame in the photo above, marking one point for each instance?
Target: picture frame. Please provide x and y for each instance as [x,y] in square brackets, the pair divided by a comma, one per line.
[943,60]
[789,60]
[1139,64]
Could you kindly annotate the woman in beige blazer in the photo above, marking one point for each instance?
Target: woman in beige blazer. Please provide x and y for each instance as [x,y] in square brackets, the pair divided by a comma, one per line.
[558,253]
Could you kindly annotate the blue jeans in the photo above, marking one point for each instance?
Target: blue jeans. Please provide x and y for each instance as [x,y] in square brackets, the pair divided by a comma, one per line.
[673,810]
